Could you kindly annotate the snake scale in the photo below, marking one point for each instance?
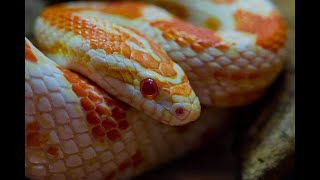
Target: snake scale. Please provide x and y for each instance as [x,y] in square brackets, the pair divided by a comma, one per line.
[112,89]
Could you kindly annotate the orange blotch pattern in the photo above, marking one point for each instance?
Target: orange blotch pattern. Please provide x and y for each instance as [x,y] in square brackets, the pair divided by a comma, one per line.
[93,118]
[91,32]
[95,97]
[34,138]
[113,43]
[54,152]
[118,113]
[28,53]
[98,132]
[123,124]
[109,124]
[105,116]
[113,135]
[223,1]
[87,104]
[78,90]
[186,34]
[102,110]
[182,90]
[129,10]
[32,126]
[271,31]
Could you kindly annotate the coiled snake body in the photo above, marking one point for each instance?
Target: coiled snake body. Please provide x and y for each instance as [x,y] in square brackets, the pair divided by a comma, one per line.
[160,66]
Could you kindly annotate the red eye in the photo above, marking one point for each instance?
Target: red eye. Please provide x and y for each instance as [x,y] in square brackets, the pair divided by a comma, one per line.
[149,88]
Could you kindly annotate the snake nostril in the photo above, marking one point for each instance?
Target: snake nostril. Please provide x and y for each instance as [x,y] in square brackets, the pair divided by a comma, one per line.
[149,88]
[179,111]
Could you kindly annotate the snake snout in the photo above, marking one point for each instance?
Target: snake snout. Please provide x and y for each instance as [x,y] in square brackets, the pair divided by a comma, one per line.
[185,112]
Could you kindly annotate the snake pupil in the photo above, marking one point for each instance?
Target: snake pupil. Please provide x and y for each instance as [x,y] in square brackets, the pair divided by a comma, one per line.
[149,88]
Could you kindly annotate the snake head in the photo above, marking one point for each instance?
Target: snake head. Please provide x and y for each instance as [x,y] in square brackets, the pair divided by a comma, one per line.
[148,80]
[120,59]
[170,100]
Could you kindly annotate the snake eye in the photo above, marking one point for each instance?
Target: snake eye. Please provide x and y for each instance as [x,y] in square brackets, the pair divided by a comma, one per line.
[149,88]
